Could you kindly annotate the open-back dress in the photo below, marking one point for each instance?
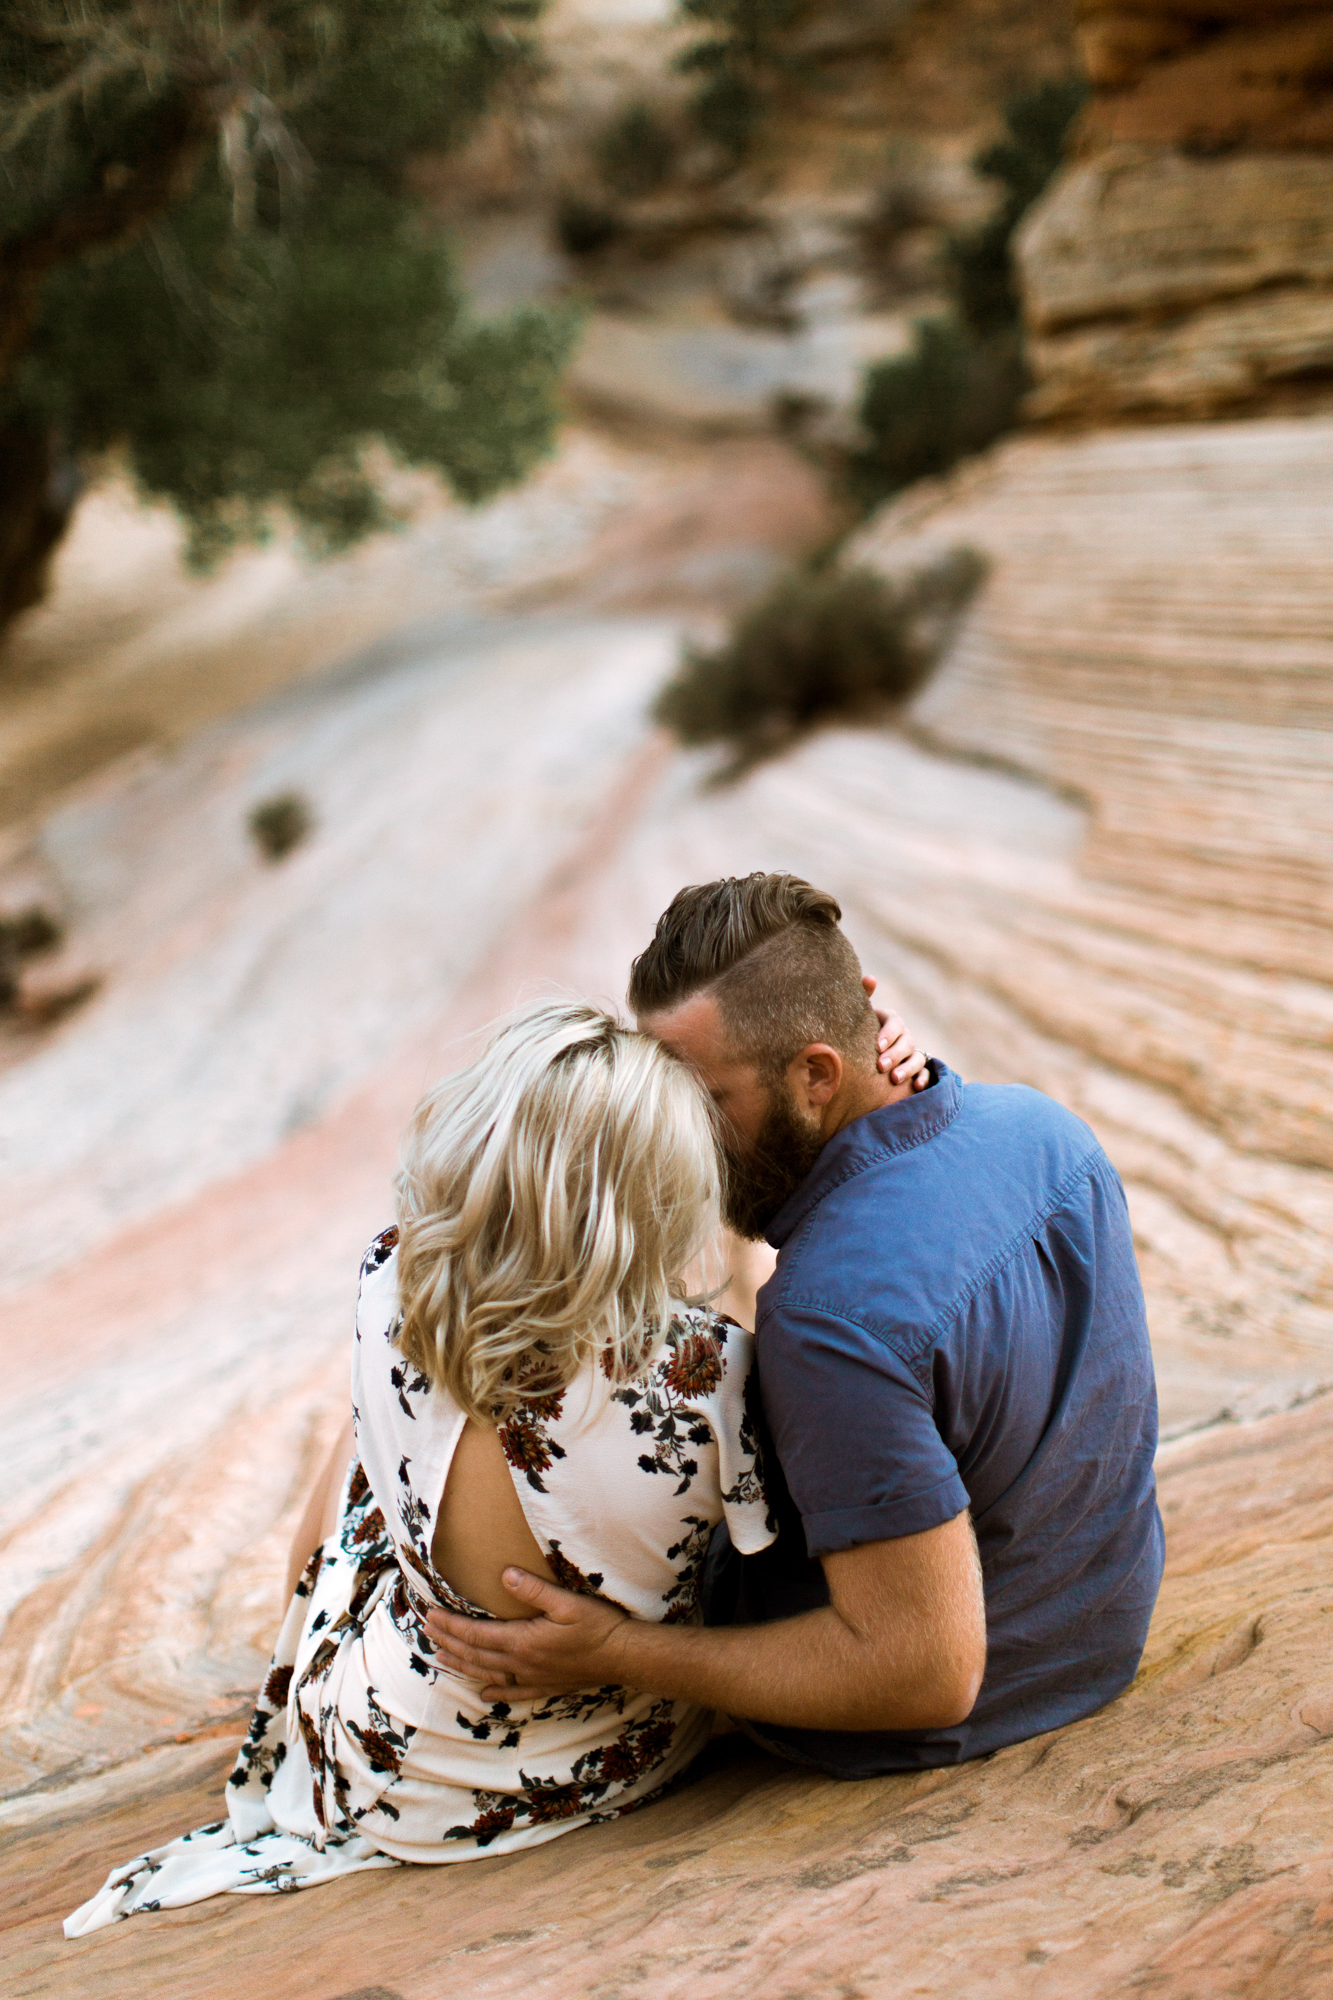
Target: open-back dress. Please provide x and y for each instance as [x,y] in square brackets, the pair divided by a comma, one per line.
[363,1751]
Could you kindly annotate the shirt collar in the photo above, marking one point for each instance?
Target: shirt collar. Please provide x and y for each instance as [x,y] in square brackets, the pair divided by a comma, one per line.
[876,1135]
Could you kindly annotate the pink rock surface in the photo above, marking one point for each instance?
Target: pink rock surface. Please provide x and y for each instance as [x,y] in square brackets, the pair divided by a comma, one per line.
[1125,925]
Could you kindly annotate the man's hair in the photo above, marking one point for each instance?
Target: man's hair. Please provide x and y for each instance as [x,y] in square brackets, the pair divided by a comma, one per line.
[768,948]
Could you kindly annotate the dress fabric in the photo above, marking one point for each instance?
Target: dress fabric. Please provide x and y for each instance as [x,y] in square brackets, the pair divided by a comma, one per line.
[363,1752]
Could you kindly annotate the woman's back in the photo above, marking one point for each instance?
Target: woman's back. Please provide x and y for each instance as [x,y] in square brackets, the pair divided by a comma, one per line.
[548,1193]
[619,1486]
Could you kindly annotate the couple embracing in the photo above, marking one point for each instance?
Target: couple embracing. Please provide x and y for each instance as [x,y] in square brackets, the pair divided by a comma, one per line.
[909,1521]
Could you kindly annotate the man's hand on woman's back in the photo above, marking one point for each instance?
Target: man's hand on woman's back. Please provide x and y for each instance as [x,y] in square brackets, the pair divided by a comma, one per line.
[900,1645]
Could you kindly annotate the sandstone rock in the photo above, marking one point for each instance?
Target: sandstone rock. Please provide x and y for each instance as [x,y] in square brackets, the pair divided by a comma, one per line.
[1181,265]
[1148,231]
[1158,283]
[1154,640]
[1251,73]
[1095,862]
[1175,1844]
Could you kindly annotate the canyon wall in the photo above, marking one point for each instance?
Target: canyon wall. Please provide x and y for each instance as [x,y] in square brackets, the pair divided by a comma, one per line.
[1183,263]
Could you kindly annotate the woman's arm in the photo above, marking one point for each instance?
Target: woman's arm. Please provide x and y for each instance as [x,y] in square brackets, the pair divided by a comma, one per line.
[321,1510]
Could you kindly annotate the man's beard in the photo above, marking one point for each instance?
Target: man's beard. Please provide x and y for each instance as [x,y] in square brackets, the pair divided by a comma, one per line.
[762,1179]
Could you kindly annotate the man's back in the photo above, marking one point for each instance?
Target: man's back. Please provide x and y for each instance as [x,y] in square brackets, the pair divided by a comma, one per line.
[956,1321]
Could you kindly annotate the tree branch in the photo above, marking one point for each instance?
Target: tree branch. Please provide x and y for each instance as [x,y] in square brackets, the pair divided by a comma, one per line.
[111,214]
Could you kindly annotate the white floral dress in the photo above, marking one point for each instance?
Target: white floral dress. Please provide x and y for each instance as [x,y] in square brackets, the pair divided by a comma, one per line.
[365,1753]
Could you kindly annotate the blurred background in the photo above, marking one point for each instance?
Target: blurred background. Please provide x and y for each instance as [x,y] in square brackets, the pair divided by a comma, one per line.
[467,470]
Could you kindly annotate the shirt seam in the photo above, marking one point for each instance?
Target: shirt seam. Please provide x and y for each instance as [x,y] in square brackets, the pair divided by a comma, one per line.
[910,1352]
[944,1117]
[914,1499]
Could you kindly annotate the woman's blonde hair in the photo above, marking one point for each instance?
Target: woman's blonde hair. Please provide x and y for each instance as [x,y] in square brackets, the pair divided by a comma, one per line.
[549,1197]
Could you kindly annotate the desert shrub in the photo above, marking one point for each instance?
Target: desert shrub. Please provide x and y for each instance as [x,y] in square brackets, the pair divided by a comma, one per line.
[1037,123]
[740,59]
[22,936]
[584,227]
[924,410]
[961,385]
[279,824]
[818,644]
[635,152]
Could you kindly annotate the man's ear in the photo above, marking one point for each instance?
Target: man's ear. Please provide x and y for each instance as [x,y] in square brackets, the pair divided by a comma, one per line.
[816,1075]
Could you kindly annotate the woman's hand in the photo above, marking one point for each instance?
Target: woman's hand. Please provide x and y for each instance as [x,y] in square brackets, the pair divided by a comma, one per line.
[574,1642]
[899,1057]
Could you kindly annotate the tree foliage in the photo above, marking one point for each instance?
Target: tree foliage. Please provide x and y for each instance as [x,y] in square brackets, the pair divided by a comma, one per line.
[962,382]
[819,643]
[740,59]
[211,257]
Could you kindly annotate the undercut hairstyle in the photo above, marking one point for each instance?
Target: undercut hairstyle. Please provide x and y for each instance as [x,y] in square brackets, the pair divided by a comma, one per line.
[770,951]
[549,1198]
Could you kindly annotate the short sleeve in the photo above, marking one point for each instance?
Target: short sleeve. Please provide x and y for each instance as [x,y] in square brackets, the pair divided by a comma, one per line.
[736,1416]
[854,1431]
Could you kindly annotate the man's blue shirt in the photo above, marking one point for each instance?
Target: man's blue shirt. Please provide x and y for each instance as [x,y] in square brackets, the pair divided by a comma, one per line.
[956,1320]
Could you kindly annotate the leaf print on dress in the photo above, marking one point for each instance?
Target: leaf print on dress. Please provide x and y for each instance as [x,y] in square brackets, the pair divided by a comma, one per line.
[380,1250]
[357,1717]
[527,1442]
[605,1770]
[750,1486]
[689,1367]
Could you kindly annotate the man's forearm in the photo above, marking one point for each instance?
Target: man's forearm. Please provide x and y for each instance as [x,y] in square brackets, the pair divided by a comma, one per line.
[811,1672]
[900,1645]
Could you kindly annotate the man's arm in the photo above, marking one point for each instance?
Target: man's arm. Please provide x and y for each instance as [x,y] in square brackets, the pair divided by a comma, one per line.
[900,1645]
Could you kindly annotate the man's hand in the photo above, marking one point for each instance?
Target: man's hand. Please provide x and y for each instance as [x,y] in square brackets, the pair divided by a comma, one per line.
[900,1645]
[899,1058]
[576,1642]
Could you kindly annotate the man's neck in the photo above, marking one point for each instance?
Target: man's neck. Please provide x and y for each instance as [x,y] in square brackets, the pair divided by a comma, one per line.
[860,1094]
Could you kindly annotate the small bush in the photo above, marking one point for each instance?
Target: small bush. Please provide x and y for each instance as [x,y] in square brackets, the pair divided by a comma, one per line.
[1037,124]
[922,411]
[636,152]
[22,936]
[279,824]
[834,642]
[961,385]
[742,57]
[585,227]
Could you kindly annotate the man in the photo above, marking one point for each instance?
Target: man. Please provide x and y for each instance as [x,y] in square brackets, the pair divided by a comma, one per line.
[955,1372]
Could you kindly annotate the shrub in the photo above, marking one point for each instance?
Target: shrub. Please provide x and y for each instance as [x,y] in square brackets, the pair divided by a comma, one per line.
[961,385]
[924,410]
[635,152]
[279,824]
[741,59]
[819,644]
[1037,124]
[584,227]
[23,936]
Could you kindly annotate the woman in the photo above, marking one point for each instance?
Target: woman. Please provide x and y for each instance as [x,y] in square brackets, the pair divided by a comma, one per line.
[528,1387]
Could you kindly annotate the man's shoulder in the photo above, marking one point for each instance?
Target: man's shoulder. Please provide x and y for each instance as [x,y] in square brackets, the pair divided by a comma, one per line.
[1007,1138]
[897,1242]
[1001,1109]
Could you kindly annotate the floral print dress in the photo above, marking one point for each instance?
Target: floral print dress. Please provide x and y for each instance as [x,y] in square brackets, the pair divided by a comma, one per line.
[363,1752]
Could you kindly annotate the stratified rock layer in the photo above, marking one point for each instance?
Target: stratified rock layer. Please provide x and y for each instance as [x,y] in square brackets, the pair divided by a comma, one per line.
[1174,1845]
[1181,265]
[1157,282]
[1156,641]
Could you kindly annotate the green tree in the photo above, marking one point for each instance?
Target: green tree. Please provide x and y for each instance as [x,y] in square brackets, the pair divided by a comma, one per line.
[961,384]
[211,258]
[741,59]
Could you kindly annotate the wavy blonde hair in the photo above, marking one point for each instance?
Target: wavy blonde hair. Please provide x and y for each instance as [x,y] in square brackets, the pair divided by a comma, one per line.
[549,1198]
